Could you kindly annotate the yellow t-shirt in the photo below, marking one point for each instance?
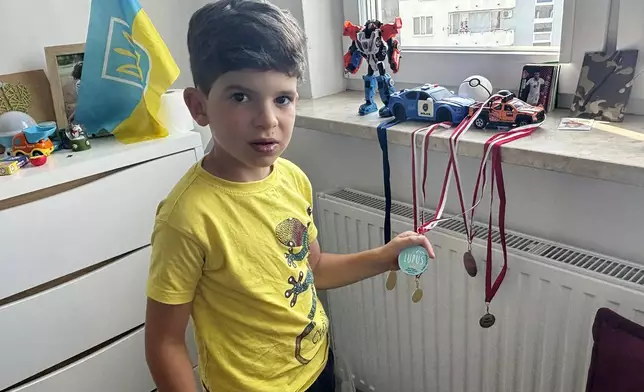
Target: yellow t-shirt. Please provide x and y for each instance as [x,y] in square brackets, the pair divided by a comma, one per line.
[239,252]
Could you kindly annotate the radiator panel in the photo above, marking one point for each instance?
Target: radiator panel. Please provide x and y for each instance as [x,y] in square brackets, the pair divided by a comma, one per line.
[541,341]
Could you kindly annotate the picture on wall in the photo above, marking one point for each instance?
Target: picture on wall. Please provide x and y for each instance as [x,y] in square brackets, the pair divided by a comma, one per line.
[538,85]
[64,68]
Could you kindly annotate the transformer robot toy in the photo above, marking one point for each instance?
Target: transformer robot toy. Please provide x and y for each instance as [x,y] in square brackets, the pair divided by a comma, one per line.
[375,42]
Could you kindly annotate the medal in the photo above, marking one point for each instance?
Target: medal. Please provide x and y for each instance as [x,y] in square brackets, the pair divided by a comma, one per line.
[487,321]
[469,263]
[390,283]
[418,293]
[493,146]
[413,261]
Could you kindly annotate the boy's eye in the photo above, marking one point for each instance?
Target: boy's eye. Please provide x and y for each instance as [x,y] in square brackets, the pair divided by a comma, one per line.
[283,100]
[239,97]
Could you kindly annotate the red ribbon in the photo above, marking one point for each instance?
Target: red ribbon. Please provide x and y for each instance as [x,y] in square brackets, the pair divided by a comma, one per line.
[493,146]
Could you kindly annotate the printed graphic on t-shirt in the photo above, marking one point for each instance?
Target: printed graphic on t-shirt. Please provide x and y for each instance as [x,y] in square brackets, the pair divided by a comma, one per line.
[294,234]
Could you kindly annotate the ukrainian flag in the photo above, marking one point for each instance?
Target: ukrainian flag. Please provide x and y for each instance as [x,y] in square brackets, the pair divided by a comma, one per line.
[126,69]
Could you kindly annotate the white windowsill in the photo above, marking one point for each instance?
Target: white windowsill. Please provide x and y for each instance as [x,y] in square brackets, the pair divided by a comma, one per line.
[610,152]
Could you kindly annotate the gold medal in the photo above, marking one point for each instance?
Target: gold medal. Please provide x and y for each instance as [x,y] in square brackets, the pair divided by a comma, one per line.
[418,293]
[390,284]
[417,296]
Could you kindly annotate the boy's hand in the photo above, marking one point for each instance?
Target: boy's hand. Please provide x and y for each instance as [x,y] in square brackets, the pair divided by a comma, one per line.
[389,253]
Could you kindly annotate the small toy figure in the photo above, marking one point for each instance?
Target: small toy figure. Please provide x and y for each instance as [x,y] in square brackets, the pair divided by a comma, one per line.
[506,111]
[375,42]
[77,137]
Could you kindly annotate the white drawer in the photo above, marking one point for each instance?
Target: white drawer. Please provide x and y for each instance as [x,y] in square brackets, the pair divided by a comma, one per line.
[120,367]
[60,234]
[48,328]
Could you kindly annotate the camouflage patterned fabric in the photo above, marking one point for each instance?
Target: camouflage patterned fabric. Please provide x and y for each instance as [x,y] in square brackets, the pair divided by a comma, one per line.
[603,89]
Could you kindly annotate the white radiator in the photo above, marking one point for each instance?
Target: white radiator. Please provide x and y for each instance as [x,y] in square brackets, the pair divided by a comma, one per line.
[545,308]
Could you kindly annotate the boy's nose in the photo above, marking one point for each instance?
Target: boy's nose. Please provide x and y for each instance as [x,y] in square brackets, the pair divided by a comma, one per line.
[265,118]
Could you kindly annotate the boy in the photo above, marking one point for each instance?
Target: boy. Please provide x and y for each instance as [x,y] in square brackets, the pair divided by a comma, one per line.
[234,244]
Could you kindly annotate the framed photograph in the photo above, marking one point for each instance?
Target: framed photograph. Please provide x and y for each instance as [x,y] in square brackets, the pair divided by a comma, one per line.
[539,85]
[64,69]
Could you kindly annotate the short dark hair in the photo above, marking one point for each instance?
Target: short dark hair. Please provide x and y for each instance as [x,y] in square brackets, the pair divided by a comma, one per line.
[77,72]
[231,35]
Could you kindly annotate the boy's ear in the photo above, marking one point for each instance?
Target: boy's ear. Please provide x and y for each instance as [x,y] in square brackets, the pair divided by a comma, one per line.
[197,102]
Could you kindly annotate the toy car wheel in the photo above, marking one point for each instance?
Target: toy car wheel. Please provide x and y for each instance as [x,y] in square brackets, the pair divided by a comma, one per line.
[399,112]
[523,121]
[480,122]
[20,154]
[36,153]
[444,116]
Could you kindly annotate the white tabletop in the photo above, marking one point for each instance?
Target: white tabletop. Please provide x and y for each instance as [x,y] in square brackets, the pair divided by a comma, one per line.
[105,155]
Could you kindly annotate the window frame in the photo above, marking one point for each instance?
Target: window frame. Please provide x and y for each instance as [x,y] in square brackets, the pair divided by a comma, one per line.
[422,22]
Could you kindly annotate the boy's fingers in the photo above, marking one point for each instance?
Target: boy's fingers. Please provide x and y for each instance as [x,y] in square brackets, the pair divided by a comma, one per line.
[408,234]
[420,240]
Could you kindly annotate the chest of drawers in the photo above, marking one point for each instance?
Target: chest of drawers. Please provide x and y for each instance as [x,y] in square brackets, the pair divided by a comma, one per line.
[74,257]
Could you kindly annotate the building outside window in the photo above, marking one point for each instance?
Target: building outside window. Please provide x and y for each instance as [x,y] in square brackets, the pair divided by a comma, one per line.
[423,25]
[508,24]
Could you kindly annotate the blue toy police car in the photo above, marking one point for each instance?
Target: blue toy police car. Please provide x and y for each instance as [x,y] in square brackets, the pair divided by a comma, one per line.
[429,102]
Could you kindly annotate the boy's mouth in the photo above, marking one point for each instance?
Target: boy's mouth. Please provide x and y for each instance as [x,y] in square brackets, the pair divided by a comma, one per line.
[264,145]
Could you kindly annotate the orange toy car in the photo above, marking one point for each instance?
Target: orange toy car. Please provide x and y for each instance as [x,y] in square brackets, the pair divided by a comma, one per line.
[506,111]
[20,146]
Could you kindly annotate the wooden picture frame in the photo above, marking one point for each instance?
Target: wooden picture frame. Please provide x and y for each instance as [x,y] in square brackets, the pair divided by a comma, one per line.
[62,61]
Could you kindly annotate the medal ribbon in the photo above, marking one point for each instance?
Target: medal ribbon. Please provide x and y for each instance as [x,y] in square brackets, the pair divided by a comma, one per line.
[386,173]
[425,145]
[494,145]
[452,165]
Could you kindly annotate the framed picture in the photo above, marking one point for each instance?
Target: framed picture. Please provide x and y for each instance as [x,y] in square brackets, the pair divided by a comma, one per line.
[605,85]
[64,69]
[539,85]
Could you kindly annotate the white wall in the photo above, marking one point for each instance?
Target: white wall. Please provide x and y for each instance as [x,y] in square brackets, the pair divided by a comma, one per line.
[30,25]
[323,21]
[592,214]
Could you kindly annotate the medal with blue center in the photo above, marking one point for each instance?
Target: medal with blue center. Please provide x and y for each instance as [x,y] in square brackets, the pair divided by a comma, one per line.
[413,262]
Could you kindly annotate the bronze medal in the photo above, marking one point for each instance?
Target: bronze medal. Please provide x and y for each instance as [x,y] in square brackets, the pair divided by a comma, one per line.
[390,284]
[470,264]
[487,320]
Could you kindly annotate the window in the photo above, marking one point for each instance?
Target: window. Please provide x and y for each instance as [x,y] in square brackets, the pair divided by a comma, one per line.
[423,96]
[544,12]
[441,94]
[423,25]
[475,24]
[531,31]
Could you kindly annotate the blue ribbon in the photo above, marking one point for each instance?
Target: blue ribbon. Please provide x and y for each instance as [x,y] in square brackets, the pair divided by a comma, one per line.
[386,172]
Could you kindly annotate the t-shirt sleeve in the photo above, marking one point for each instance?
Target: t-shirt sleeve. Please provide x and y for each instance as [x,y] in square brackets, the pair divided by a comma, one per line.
[176,265]
[307,192]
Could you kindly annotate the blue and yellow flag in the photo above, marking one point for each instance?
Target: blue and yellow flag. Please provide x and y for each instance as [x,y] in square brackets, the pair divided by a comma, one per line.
[126,69]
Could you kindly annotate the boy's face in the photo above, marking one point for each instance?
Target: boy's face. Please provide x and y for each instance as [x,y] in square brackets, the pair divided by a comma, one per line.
[251,114]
